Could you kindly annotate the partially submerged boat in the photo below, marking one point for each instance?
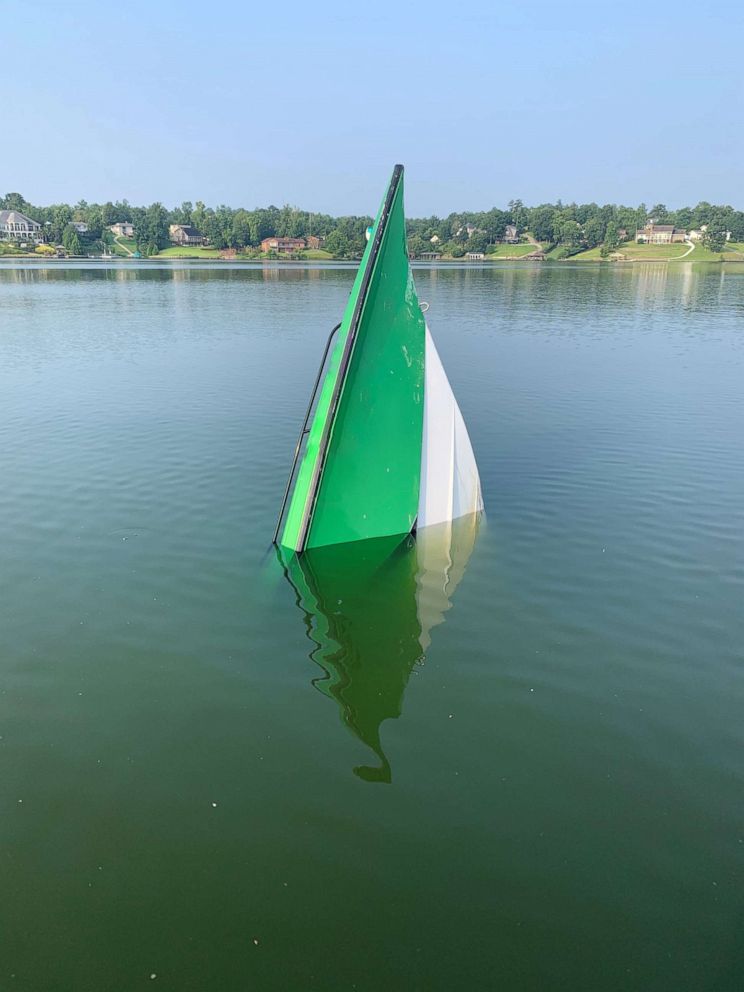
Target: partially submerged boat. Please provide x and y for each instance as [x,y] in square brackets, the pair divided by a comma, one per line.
[384,450]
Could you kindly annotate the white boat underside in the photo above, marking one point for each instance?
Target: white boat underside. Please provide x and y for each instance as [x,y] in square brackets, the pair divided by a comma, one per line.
[450,484]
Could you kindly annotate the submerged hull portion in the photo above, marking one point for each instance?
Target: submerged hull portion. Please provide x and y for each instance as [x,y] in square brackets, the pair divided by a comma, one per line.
[387,450]
[369,611]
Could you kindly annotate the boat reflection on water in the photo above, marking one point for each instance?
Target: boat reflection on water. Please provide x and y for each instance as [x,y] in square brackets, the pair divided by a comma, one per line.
[369,609]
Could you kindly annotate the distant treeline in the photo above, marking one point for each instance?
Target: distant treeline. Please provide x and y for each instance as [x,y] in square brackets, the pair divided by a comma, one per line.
[573,226]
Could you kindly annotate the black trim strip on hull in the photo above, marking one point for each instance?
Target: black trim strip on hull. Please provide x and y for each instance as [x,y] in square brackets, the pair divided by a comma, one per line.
[346,358]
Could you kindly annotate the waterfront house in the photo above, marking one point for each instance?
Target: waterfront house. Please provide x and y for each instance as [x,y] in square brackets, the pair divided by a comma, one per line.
[430,256]
[123,229]
[510,235]
[314,242]
[699,235]
[185,234]
[15,226]
[475,256]
[469,230]
[283,246]
[660,234]
[80,226]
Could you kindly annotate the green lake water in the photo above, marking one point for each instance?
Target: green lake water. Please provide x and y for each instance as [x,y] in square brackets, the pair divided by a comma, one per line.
[514,761]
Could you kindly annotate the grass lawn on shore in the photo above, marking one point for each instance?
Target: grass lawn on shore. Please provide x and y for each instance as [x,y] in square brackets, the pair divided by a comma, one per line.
[317,254]
[118,246]
[511,251]
[703,254]
[637,253]
[633,252]
[197,252]
[186,252]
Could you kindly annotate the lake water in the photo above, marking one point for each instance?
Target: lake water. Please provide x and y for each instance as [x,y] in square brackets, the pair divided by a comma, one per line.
[514,765]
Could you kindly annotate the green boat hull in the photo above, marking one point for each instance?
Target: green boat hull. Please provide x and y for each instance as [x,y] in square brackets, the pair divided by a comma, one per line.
[359,477]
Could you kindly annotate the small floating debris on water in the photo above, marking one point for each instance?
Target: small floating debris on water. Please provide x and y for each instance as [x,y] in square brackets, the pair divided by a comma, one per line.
[153,975]
[214,805]
[255,941]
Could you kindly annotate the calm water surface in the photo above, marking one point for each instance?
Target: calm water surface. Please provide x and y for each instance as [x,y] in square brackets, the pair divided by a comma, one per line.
[514,763]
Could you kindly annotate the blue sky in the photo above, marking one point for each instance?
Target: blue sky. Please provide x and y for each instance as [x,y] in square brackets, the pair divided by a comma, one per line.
[312,103]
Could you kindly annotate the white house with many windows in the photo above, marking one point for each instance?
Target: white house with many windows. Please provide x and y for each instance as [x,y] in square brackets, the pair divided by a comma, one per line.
[15,226]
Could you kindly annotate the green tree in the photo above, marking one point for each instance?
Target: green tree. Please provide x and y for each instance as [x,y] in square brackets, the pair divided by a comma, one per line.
[715,239]
[702,213]
[338,244]
[594,231]
[93,217]
[541,222]
[569,234]
[214,230]
[660,214]
[736,225]
[198,215]
[417,244]
[477,242]
[182,214]
[292,223]
[354,230]
[683,218]
[493,223]
[718,226]
[151,229]
[61,215]
[14,201]
[71,241]
[519,214]
[612,236]
[261,226]
[240,235]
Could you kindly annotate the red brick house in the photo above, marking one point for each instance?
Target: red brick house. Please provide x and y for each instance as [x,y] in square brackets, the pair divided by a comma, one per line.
[283,246]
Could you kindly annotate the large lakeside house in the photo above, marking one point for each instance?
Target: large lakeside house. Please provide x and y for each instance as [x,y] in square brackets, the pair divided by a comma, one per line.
[15,226]
[660,234]
[185,234]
